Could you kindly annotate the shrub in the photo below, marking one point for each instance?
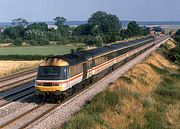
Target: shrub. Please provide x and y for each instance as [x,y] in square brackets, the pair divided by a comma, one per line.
[94,41]
[17,42]
[177,38]
[174,54]
[43,41]
[6,40]
[32,42]
[79,49]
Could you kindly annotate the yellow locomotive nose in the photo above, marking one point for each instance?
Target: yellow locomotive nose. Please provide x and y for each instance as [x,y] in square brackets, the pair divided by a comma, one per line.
[49,88]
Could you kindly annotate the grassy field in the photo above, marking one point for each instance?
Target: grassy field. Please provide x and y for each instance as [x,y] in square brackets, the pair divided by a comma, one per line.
[147,97]
[37,50]
[9,67]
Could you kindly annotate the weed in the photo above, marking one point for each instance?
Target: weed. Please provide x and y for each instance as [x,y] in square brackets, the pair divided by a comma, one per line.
[81,121]
[136,95]
[159,70]
[126,79]
[111,99]
[168,91]
[153,121]
[135,126]
[146,103]
[97,105]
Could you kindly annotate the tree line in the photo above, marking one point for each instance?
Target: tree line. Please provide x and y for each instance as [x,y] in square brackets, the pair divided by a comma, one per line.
[100,28]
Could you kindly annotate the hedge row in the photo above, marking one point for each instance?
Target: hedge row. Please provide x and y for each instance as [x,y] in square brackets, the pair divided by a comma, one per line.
[24,57]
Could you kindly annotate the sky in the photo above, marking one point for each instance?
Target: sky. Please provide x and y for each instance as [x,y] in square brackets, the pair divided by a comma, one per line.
[81,10]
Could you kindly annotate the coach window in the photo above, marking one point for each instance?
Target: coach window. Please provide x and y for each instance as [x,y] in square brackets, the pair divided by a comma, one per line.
[89,64]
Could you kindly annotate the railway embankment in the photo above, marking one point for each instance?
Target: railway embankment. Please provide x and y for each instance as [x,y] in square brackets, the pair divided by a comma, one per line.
[147,96]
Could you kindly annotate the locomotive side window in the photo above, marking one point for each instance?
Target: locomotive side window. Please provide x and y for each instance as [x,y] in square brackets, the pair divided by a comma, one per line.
[64,72]
[76,69]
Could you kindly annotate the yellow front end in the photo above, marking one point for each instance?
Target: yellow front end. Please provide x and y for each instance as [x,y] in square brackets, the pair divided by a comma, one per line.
[51,71]
[49,88]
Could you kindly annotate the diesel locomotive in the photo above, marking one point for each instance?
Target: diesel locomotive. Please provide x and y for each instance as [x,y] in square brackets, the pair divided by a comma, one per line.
[61,75]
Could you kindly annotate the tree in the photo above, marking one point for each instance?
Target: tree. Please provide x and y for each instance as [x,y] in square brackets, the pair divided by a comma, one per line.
[38,26]
[59,21]
[35,35]
[177,36]
[145,30]
[19,22]
[14,32]
[133,29]
[178,32]
[84,29]
[102,22]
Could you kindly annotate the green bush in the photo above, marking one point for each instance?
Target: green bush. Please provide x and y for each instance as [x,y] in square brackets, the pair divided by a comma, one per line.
[94,40]
[177,38]
[43,41]
[17,42]
[174,54]
[6,40]
[32,42]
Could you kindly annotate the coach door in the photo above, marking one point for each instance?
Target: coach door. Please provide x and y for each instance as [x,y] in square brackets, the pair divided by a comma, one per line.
[84,71]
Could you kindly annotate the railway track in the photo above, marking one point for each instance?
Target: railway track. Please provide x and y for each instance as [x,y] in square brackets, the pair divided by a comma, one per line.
[15,75]
[17,79]
[43,108]
[29,121]
[17,95]
[20,116]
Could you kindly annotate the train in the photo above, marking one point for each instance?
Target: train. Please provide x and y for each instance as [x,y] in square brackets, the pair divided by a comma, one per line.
[59,76]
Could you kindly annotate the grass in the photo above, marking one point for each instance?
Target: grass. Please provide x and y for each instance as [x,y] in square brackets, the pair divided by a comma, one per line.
[9,67]
[147,97]
[37,50]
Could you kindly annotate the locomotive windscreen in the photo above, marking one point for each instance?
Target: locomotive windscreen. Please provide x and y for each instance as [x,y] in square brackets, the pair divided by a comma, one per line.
[52,73]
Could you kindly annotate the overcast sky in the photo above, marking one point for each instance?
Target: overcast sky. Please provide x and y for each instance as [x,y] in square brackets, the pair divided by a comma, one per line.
[46,10]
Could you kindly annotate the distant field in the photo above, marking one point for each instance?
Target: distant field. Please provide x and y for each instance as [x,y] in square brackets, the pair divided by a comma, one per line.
[37,50]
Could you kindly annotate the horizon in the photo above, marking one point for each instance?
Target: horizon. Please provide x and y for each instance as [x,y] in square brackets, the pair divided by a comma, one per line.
[79,10]
[86,21]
